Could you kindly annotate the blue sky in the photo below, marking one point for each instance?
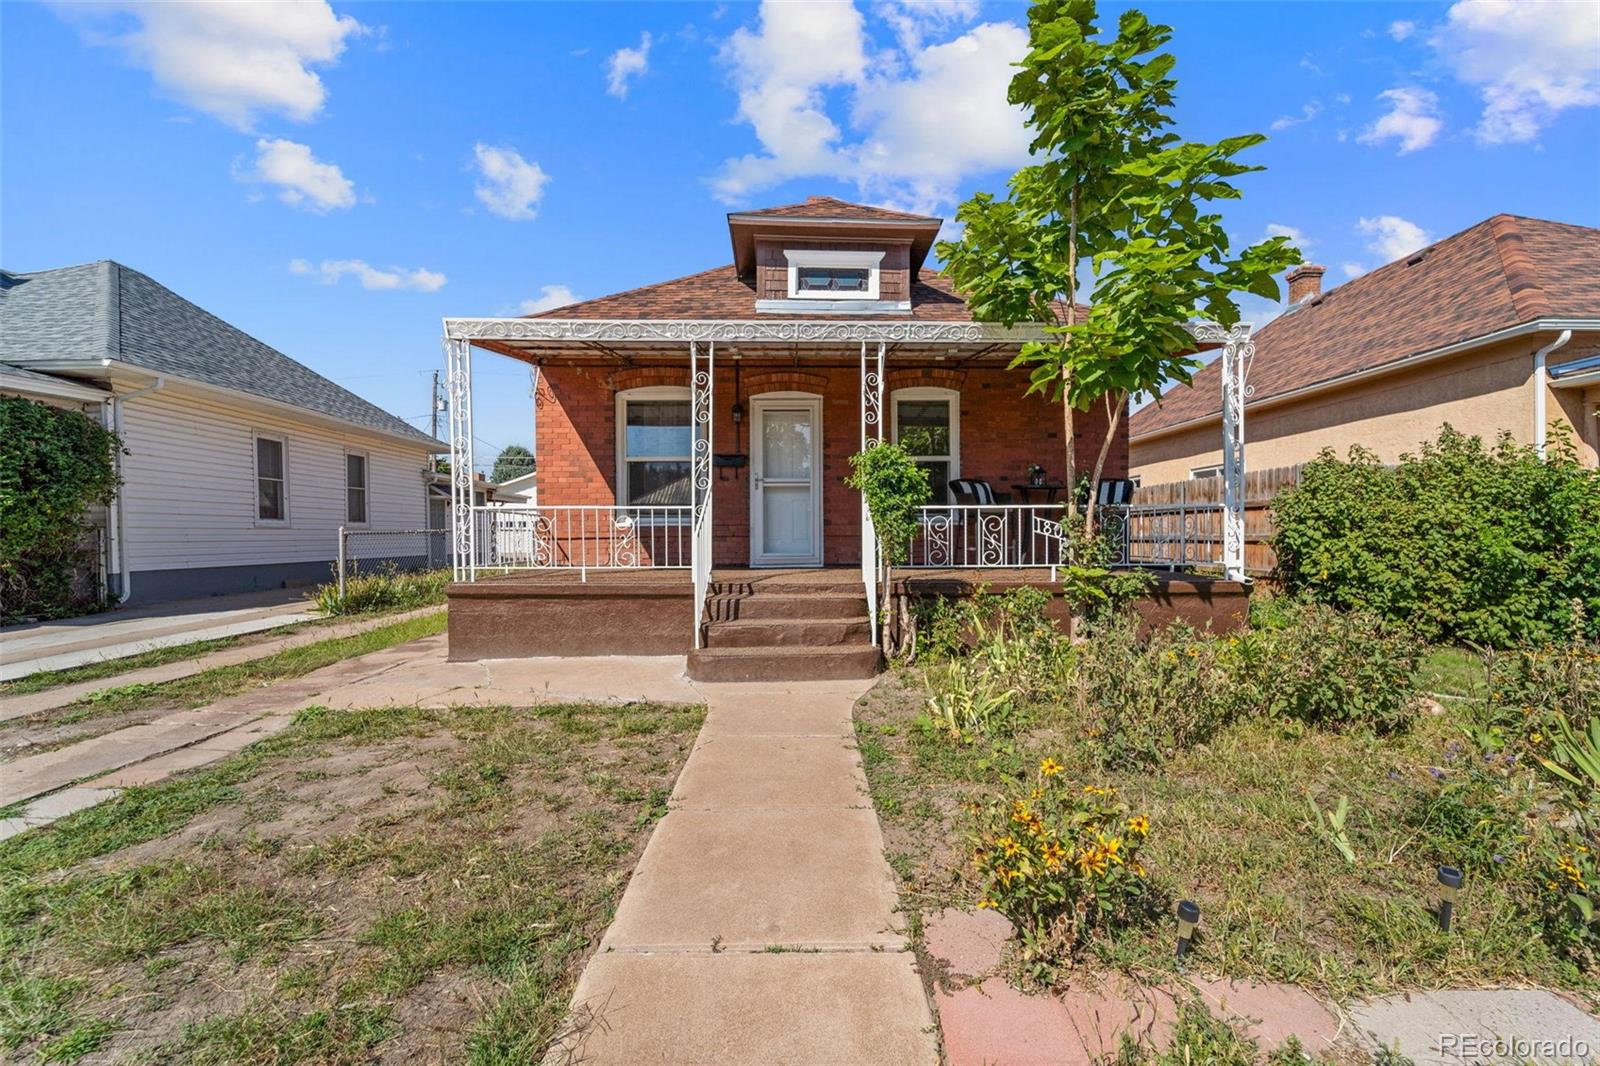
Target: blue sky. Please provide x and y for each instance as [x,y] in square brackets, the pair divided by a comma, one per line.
[334,180]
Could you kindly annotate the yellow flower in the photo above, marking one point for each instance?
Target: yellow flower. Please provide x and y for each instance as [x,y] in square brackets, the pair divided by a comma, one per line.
[1035,826]
[1054,855]
[1037,793]
[987,904]
[1049,768]
[1112,849]
[1193,653]
[1138,869]
[1009,846]
[1139,824]
[1536,737]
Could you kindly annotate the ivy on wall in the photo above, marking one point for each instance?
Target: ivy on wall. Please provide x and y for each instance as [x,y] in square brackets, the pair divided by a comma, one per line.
[55,464]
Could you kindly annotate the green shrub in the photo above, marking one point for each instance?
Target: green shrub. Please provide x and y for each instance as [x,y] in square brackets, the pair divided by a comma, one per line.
[1143,699]
[894,487]
[1334,669]
[54,465]
[386,590]
[1461,541]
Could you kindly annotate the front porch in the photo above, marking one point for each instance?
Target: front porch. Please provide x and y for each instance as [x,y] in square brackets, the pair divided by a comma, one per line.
[757,624]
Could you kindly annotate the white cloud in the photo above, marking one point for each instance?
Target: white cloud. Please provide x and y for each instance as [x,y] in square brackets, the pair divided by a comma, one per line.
[511,186]
[330,271]
[1400,29]
[911,20]
[1307,113]
[550,297]
[233,59]
[301,178]
[1296,236]
[1531,61]
[1352,269]
[921,122]
[1413,120]
[1392,236]
[626,63]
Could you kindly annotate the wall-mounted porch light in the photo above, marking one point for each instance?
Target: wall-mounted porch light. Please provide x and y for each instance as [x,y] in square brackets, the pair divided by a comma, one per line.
[1449,885]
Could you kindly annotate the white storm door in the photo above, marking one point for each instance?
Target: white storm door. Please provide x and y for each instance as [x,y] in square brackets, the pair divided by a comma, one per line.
[786,482]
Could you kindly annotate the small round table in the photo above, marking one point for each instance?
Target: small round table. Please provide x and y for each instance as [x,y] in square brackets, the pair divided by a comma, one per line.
[1048,491]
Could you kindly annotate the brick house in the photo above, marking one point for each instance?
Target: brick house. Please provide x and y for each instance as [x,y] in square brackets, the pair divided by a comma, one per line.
[1495,329]
[708,422]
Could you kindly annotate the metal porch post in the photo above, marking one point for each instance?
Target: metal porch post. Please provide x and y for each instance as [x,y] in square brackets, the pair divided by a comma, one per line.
[702,416]
[1237,351]
[871,436]
[463,531]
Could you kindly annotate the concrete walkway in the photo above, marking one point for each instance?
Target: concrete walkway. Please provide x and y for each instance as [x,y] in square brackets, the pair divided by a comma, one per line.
[760,924]
[31,703]
[118,634]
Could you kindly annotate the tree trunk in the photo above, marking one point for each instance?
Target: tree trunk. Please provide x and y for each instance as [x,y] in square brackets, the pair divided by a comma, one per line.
[1112,418]
[1071,478]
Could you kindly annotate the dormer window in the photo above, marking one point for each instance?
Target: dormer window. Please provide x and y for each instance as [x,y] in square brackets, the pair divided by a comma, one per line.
[833,275]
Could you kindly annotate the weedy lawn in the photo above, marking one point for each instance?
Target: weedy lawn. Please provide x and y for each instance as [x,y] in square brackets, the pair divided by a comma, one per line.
[395,885]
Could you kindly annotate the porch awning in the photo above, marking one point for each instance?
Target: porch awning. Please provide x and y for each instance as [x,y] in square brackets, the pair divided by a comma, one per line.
[632,340]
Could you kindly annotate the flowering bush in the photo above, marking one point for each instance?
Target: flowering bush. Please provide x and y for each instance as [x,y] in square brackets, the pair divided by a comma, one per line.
[1060,862]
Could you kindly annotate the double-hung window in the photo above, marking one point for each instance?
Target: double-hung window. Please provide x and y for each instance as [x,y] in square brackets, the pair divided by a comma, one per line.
[655,438]
[272,480]
[927,423]
[355,488]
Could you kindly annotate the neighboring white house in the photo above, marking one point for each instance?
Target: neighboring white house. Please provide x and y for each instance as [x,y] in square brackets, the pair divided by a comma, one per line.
[242,463]
[522,489]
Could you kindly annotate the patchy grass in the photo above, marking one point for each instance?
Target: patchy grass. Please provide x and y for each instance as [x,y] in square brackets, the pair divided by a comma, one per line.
[1232,828]
[1453,672]
[386,590]
[403,883]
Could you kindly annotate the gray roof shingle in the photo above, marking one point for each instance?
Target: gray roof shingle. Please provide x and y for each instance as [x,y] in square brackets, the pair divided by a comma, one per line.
[80,315]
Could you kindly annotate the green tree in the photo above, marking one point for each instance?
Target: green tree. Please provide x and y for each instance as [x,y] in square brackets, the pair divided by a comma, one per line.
[1119,196]
[513,461]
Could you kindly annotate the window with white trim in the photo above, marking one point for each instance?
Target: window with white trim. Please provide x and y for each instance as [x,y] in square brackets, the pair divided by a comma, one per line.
[832,275]
[655,439]
[926,422]
[355,488]
[1200,473]
[272,480]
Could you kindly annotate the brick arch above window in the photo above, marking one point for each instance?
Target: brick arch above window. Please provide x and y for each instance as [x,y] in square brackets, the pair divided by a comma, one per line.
[784,381]
[918,377]
[641,377]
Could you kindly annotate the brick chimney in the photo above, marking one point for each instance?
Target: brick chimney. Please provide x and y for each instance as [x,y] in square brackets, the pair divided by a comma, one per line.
[1305,282]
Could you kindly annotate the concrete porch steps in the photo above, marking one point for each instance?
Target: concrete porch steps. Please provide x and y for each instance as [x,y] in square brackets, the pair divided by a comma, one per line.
[780,663]
[799,626]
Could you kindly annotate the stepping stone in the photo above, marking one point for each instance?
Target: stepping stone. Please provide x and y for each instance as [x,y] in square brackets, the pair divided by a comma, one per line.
[1271,1012]
[1454,1028]
[967,943]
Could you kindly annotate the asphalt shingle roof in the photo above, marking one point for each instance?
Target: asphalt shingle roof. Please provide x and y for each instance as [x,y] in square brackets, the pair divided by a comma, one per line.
[79,315]
[1504,271]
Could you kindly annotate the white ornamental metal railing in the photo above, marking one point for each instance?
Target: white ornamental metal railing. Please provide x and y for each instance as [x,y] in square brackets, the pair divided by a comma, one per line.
[1016,536]
[582,537]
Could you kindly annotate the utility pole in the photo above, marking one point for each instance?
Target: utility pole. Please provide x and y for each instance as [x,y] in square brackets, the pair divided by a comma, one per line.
[434,407]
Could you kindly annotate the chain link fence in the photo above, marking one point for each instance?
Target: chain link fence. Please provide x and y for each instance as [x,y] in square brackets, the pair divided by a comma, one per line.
[366,551]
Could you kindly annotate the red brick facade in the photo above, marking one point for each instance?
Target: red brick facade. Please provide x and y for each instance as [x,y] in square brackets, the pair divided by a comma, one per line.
[1001,433]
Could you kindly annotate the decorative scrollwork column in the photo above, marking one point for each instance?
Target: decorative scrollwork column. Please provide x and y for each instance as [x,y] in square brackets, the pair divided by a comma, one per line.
[458,380]
[1238,351]
[702,381]
[871,437]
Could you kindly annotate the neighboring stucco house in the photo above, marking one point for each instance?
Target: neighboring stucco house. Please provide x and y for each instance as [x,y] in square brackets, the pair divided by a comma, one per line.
[241,463]
[1496,328]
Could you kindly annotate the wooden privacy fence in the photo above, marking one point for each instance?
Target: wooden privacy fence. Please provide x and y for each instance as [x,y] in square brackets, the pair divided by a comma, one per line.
[1260,486]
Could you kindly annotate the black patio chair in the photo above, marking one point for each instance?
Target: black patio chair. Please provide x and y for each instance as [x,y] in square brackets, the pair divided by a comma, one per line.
[976,491]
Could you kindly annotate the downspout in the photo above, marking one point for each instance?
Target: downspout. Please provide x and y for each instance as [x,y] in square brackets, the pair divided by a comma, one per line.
[1540,387]
[124,575]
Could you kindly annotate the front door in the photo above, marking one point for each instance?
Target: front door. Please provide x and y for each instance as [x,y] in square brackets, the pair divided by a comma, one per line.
[786,481]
